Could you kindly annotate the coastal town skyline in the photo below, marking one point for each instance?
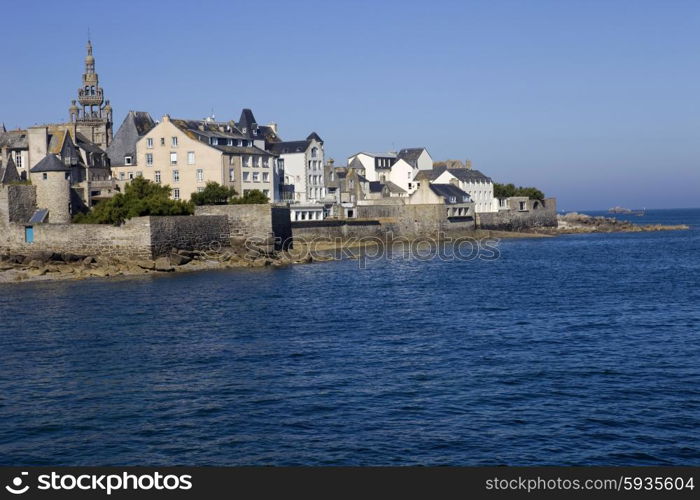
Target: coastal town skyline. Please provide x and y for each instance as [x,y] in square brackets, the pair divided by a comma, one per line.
[615,163]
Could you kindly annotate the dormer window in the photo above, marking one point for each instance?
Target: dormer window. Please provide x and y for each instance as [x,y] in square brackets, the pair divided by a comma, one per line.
[127,160]
[453,199]
[245,130]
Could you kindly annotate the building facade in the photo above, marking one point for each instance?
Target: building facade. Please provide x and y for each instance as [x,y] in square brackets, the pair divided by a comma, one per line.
[186,154]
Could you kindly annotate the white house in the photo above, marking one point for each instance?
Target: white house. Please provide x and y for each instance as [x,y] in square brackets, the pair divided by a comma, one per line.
[399,168]
[479,186]
[300,166]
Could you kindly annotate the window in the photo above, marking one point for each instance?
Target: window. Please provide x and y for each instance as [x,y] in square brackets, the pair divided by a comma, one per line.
[139,174]
[173,158]
[174,141]
[453,199]
[332,175]
[176,176]
[176,193]
[266,192]
[314,152]
[266,177]
[256,176]
[229,142]
[200,189]
[45,176]
[231,174]
[121,176]
[18,159]
[130,175]
[149,159]
[240,143]
[149,142]
[200,175]
[157,176]
[190,157]
[127,160]
[162,141]
[246,175]
[280,162]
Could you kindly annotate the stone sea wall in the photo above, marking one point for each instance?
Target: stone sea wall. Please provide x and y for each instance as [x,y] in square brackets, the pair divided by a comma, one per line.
[253,221]
[538,214]
[377,220]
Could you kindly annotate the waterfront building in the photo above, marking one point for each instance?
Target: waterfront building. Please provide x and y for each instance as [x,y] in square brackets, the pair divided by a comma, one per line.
[478,185]
[457,202]
[301,171]
[122,150]
[186,154]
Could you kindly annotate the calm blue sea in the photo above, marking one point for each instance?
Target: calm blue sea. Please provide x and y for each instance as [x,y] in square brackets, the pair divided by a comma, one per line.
[581,349]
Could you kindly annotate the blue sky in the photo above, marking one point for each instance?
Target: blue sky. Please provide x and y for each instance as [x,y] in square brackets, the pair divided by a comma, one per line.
[595,102]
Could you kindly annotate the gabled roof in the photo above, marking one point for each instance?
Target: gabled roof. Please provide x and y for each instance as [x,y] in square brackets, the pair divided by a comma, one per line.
[56,140]
[411,155]
[314,135]
[394,188]
[376,155]
[468,175]
[50,163]
[355,163]
[207,128]
[8,172]
[135,125]
[247,121]
[86,144]
[429,175]
[14,139]
[449,190]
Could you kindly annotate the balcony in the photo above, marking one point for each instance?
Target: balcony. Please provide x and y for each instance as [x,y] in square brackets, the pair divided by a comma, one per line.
[90,97]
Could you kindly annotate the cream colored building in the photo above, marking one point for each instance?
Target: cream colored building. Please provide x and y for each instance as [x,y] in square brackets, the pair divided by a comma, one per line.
[186,154]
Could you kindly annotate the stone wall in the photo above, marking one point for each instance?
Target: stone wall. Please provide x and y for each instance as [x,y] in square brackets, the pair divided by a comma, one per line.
[538,214]
[137,238]
[411,221]
[17,203]
[130,240]
[336,228]
[188,233]
[253,221]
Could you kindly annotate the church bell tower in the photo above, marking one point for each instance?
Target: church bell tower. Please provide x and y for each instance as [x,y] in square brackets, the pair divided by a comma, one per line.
[93,114]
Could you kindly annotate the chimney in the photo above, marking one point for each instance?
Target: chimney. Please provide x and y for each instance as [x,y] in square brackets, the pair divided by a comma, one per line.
[468,164]
[5,155]
[273,126]
[166,118]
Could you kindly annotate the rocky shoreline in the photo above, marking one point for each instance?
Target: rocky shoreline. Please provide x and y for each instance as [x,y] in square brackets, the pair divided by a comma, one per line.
[46,266]
[576,223]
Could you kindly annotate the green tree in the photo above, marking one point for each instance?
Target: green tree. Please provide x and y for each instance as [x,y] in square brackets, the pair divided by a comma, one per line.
[509,190]
[252,197]
[214,194]
[140,197]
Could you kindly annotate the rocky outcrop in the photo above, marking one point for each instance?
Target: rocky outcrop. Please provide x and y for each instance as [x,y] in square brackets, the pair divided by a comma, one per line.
[574,222]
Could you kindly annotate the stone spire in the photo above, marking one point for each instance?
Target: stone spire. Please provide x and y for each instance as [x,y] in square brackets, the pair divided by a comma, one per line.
[91,113]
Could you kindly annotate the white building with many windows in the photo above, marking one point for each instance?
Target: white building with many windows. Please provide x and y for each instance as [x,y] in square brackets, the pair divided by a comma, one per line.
[301,170]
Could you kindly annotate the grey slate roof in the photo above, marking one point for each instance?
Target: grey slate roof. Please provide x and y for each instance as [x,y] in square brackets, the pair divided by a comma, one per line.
[376,187]
[394,188]
[85,143]
[411,155]
[468,175]
[14,139]
[355,163]
[50,163]
[314,135]
[450,190]
[8,173]
[249,150]
[289,147]
[135,125]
